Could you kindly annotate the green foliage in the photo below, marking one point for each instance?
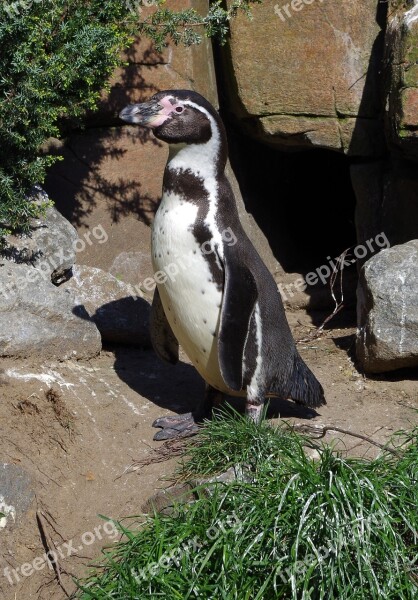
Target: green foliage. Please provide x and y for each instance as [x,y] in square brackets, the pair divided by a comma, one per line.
[55,59]
[188,26]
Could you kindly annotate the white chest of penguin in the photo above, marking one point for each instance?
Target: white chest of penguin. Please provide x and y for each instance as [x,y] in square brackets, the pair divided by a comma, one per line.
[191,299]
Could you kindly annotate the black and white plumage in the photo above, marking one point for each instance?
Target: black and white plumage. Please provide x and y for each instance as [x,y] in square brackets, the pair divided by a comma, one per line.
[219,301]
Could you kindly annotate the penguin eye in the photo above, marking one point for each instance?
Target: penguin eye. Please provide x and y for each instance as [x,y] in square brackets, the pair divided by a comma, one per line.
[179,109]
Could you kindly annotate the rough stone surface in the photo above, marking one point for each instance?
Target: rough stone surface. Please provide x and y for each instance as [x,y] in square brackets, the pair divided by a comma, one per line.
[16,494]
[368,185]
[308,79]
[38,319]
[132,267]
[402,82]
[51,246]
[386,193]
[387,336]
[350,135]
[165,501]
[119,311]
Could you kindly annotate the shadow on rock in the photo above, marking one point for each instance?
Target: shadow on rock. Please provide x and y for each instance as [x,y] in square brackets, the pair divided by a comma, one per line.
[124,321]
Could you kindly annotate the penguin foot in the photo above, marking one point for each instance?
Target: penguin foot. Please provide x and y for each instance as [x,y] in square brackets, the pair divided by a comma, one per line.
[254,412]
[176,426]
[172,420]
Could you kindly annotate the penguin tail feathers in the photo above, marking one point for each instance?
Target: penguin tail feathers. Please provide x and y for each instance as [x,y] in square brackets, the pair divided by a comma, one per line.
[303,387]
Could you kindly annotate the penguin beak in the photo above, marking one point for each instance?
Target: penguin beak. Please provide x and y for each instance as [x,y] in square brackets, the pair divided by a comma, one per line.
[148,114]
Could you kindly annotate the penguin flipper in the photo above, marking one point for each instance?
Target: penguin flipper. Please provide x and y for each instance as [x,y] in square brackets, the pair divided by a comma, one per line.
[163,340]
[236,312]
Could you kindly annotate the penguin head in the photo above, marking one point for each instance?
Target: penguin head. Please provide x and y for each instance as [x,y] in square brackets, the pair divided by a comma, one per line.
[176,117]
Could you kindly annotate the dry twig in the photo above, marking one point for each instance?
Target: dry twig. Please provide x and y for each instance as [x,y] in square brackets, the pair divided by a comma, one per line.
[50,548]
[170,449]
[339,305]
[321,432]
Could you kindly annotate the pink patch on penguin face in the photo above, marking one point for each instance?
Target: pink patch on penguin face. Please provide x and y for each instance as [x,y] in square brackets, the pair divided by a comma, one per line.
[157,120]
[168,109]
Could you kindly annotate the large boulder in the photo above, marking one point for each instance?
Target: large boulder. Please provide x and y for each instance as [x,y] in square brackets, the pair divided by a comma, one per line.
[402,82]
[387,337]
[52,244]
[41,321]
[37,318]
[304,74]
[119,309]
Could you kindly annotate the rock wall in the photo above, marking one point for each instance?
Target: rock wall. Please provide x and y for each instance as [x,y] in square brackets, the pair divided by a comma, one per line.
[341,76]
[401,55]
[387,193]
[305,74]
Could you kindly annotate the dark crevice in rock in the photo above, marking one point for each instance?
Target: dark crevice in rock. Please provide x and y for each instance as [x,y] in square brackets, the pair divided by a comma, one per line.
[303,201]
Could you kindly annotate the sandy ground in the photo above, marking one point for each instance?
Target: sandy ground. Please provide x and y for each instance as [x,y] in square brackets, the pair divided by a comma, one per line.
[77,444]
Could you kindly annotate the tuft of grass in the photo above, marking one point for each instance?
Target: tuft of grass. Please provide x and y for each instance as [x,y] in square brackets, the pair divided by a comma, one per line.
[301,529]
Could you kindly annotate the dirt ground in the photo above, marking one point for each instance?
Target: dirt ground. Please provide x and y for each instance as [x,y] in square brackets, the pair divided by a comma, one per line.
[78,442]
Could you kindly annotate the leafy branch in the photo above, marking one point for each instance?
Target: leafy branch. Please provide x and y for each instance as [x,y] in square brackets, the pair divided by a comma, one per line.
[188,26]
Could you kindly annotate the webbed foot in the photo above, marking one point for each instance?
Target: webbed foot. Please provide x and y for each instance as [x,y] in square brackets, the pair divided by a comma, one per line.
[176,426]
[180,426]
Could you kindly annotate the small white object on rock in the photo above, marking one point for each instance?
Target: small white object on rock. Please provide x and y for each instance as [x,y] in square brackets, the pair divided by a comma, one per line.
[9,512]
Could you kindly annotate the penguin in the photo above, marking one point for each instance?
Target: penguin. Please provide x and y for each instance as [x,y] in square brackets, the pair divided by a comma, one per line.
[214,295]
